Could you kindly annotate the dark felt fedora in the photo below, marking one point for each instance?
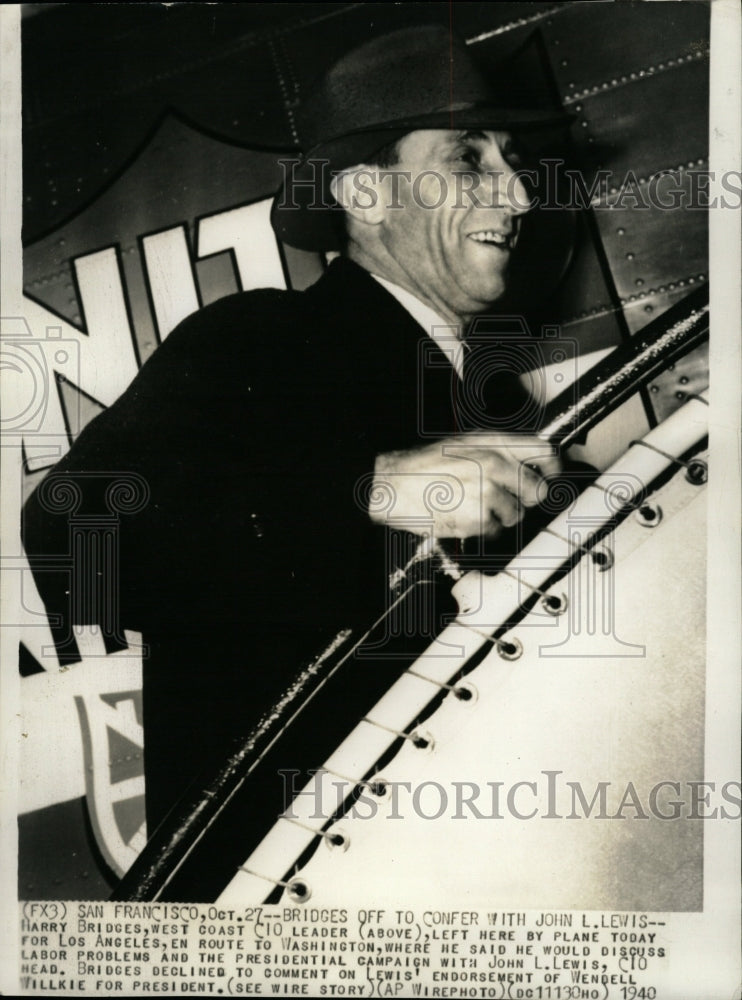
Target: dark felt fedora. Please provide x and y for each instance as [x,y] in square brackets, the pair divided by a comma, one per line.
[414,78]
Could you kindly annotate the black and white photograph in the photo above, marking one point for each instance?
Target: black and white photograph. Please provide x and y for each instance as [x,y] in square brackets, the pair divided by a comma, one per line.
[370,505]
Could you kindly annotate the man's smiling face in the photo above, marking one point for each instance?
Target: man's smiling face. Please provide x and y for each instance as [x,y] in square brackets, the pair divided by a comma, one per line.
[454,222]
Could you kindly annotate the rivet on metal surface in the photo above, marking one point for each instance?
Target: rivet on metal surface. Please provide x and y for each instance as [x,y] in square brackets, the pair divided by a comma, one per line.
[602,558]
[649,515]
[639,282]
[422,740]
[621,231]
[554,604]
[629,256]
[298,890]
[683,379]
[378,787]
[509,649]
[696,472]
[466,692]
[337,840]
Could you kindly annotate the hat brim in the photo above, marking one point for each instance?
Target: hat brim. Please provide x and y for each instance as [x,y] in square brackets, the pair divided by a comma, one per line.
[304,213]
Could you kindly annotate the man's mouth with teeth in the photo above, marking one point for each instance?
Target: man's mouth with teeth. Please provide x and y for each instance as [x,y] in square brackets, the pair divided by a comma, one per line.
[505,241]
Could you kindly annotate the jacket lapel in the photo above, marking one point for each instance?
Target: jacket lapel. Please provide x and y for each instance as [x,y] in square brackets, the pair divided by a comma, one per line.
[406,381]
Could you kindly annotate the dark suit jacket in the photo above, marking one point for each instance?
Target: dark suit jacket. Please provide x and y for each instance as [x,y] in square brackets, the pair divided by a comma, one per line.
[253,425]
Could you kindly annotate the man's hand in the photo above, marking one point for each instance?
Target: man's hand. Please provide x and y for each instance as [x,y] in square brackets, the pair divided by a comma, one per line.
[473,484]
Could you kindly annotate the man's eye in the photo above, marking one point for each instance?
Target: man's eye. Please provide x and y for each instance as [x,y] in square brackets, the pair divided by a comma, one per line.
[513,156]
[469,157]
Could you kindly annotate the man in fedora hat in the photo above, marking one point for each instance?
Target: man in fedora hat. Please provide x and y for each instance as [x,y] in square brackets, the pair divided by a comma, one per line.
[412,172]
[264,459]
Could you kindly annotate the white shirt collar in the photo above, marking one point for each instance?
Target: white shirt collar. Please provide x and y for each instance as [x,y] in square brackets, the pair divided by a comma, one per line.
[446,335]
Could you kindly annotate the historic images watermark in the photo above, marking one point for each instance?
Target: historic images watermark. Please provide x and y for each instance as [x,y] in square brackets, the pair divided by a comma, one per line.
[550,184]
[547,795]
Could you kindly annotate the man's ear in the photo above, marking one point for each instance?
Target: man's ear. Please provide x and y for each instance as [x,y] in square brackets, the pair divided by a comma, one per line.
[358,191]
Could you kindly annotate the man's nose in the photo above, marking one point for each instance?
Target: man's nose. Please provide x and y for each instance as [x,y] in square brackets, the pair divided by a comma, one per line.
[512,193]
[504,187]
